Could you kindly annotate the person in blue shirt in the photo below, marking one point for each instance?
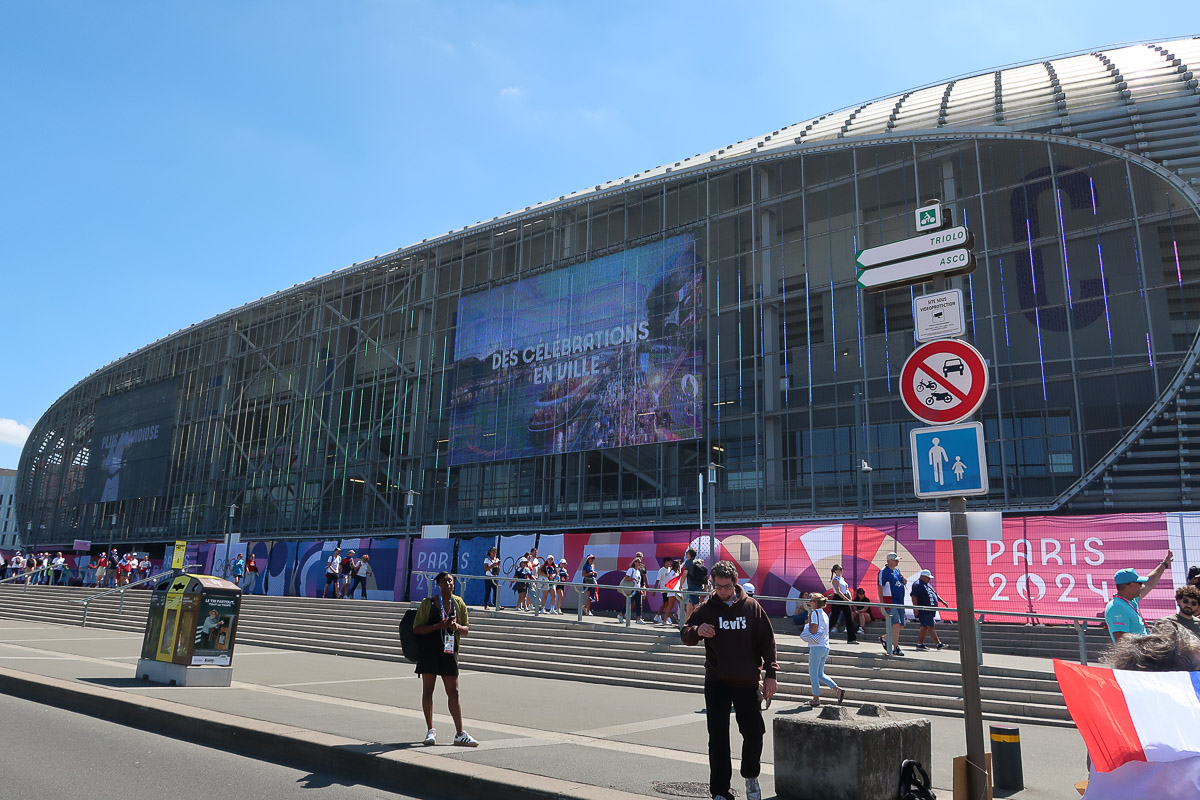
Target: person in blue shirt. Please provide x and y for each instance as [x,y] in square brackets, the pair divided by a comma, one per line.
[923,595]
[1122,614]
[589,577]
[891,590]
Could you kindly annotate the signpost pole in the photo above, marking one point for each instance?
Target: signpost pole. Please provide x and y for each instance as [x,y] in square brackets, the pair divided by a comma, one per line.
[968,652]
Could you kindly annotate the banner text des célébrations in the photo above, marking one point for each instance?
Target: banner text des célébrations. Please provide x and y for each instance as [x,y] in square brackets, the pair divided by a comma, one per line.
[570,346]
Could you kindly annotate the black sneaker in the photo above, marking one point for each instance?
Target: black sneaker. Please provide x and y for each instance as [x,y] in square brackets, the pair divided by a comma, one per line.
[941,645]
[896,651]
[883,641]
[922,647]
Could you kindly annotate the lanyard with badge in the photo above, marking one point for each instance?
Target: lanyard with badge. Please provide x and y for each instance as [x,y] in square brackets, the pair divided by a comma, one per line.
[1135,609]
[448,636]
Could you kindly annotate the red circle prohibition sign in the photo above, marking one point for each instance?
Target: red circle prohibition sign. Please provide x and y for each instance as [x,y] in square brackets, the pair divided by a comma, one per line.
[943,382]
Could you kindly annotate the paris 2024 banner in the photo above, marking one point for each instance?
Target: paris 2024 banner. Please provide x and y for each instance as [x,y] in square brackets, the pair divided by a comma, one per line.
[1041,566]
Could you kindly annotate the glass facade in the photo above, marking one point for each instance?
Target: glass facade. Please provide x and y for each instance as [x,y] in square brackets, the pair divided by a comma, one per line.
[321,410]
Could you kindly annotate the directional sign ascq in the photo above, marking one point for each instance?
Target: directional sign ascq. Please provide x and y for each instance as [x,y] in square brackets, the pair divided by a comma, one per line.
[943,381]
[916,270]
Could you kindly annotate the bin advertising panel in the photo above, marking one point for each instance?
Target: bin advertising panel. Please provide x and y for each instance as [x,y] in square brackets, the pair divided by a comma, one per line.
[216,625]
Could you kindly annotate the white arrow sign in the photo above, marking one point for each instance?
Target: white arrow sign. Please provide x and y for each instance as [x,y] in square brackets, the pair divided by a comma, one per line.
[917,270]
[916,246]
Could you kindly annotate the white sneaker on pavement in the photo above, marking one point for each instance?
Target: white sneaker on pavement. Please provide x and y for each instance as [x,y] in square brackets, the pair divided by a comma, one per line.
[657,619]
[752,790]
[431,737]
[464,739]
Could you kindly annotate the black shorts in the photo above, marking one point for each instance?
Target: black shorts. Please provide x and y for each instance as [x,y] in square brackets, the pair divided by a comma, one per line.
[437,662]
[926,618]
[330,577]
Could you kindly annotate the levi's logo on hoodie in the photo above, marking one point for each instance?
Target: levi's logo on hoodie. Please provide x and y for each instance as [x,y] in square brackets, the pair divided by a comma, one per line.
[737,623]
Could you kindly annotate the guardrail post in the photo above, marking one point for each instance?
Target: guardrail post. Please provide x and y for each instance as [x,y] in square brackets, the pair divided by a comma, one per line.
[83,624]
[121,605]
[1081,629]
[887,630]
[628,608]
[578,602]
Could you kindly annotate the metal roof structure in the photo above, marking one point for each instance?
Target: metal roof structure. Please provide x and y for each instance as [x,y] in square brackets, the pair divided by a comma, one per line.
[1144,98]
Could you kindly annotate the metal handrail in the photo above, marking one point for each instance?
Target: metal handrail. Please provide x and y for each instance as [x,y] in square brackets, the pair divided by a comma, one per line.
[1079,623]
[121,589]
[27,575]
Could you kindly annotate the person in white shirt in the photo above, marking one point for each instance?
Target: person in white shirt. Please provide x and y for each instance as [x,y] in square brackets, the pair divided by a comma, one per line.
[57,565]
[491,566]
[633,579]
[660,582]
[332,568]
[841,591]
[666,574]
[362,571]
[816,634]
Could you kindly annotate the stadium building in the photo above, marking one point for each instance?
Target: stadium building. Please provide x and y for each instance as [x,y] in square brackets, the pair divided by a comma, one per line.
[574,365]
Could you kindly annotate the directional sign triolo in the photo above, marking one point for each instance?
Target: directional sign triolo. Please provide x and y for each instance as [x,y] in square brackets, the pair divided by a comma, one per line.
[943,381]
[916,260]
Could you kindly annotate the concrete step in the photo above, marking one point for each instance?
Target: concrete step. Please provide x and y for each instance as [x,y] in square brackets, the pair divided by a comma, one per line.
[593,650]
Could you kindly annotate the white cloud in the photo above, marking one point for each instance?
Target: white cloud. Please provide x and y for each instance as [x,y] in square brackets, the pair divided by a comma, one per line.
[13,432]
[512,91]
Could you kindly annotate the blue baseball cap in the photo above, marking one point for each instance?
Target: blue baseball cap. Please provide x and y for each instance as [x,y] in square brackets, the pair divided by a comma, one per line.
[1128,575]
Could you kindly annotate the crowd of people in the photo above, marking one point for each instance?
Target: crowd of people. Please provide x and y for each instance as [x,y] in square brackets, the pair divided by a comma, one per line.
[39,568]
[344,575]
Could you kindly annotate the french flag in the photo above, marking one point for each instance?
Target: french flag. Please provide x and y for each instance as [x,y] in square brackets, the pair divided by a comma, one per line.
[1142,729]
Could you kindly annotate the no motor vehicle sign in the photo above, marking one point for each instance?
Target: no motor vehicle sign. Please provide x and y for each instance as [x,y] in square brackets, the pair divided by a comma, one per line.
[943,381]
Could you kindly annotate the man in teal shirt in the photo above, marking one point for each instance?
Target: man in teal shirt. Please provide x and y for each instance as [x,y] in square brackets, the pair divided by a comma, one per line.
[1122,614]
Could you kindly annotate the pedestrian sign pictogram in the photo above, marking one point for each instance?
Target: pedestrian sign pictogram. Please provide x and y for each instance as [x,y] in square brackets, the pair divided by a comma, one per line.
[949,460]
[943,381]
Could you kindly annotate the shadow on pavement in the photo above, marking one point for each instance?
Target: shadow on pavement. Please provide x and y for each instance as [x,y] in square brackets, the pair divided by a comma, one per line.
[121,683]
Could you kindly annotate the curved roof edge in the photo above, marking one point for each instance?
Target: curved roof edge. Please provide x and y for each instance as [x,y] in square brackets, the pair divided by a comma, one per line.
[1037,108]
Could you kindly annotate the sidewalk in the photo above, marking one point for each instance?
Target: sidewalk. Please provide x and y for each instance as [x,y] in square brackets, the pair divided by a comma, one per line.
[540,738]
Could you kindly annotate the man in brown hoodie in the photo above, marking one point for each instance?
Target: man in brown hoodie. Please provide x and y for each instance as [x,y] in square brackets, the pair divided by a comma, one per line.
[738,642]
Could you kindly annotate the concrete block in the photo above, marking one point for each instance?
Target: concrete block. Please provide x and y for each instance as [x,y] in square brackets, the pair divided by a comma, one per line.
[178,675]
[841,755]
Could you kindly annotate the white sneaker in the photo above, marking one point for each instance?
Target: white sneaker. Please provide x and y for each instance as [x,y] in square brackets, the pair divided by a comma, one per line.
[431,737]
[464,740]
[639,621]
[752,790]
[657,619]
[620,619]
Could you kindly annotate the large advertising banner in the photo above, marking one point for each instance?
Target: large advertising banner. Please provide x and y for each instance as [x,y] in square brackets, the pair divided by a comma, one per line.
[597,355]
[1065,565]
[471,553]
[429,555]
[131,445]
[1041,566]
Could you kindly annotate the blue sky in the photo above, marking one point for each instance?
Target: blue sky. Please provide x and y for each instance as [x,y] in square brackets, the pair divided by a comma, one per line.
[165,161]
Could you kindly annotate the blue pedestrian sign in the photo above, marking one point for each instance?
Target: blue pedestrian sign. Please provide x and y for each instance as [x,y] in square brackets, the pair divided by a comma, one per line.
[949,460]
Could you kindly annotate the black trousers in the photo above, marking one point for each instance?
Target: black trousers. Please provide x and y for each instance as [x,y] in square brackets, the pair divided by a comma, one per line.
[717,696]
[489,593]
[359,580]
[837,610]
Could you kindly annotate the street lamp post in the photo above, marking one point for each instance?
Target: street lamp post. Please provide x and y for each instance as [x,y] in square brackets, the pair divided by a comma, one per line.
[410,500]
[229,540]
[712,514]
[862,469]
